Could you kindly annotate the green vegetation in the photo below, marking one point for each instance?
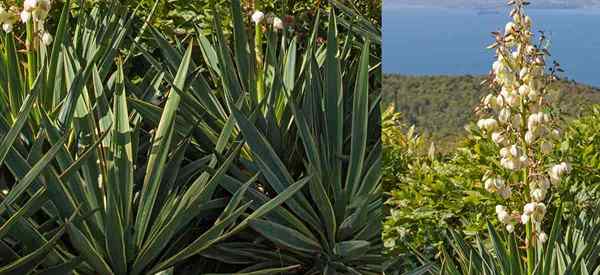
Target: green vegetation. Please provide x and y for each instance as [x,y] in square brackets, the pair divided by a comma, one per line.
[514,193]
[441,106]
[179,165]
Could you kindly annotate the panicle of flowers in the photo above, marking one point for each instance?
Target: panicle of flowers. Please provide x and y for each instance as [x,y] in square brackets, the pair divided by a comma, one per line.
[258,17]
[32,10]
[8,17]
[517,119]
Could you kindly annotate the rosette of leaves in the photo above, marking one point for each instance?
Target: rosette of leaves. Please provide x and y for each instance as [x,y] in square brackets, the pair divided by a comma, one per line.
[317,123]
[93,190]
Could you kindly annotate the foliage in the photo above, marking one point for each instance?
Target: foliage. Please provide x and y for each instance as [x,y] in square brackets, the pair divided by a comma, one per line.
[431,197]
[181,17]
[571,249]
[187,167]
[440,106]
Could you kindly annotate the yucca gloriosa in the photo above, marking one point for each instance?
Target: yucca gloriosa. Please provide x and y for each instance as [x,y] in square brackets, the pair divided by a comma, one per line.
[103,181]
[301,116]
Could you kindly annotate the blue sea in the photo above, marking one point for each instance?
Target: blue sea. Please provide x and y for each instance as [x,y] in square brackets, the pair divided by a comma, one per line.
[433,41]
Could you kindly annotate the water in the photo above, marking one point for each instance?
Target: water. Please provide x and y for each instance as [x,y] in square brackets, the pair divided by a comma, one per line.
[430,41]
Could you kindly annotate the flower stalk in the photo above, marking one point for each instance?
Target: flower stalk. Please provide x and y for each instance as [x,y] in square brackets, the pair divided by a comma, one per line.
[519,120]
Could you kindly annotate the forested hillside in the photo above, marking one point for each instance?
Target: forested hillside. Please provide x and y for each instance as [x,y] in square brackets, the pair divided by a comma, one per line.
[440,106]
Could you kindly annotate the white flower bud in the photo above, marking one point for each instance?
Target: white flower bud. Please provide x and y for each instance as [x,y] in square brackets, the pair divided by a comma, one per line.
[533,95]
[29,5]
[488,124]
[529,137]
[505,192]
[25,16]
[500,208]
[46,38]
[504,115]
[500,101]
[7,27]
[510,228]
[515,151]
[546,147]
[524,90]
[504,217]
[542,237]
[523,73]
[509,28]
[528,21]
[538,194]
[529,208]
[498,138]
[258,16]
[558,170]
[277,23]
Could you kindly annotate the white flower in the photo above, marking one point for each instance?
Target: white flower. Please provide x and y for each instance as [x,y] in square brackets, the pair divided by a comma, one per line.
[498,138]
[528,22]
[523,74]
[500,101]
[505,192]
[546,147]
[7,27]
[516,121]
[277,23]
[529,208]
[542,237]
[504,115]
[524,219]
[510,163]
[555,134]
[504,217]
[258,16]
[504,152]
[488,101]
[515,151]
[538,194]
[529,137]
[30,5]
[513,100]
[524,90]
[500,208]
[7,19]
[558,170]
[46,38]
[510,228]
[524,161]
[539,212]
[25,16]
[533,95]
[487,124]
[509,28]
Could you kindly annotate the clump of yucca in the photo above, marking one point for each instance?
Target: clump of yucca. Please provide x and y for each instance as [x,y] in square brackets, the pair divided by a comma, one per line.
[519,120]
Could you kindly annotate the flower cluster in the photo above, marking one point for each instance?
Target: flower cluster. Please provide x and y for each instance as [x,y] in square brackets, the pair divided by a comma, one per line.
[8,17]
[271,19]
[32,10]
[518,120]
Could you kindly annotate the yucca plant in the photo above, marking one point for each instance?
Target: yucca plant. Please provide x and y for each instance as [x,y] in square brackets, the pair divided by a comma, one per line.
[315,122]
[96,191]
[571,249]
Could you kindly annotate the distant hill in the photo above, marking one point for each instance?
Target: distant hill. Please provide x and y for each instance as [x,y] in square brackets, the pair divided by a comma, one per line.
[492,4]
[440,106]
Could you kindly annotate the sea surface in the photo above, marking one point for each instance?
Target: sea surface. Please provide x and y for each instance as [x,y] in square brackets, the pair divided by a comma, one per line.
[433,41]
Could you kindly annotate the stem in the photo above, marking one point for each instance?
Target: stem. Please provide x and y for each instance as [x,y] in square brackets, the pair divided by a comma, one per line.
[529,226]
[31,59]
[530,250]
[260,74]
